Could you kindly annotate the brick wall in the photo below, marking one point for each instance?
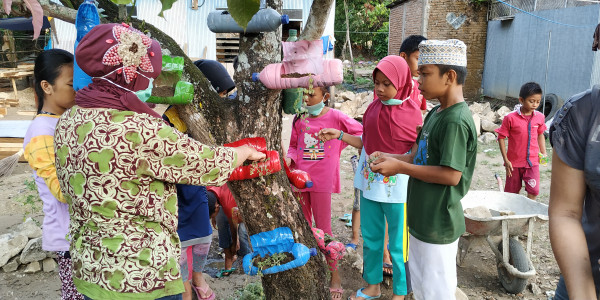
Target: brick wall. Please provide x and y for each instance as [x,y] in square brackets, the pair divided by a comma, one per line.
[473,32]
[405,19]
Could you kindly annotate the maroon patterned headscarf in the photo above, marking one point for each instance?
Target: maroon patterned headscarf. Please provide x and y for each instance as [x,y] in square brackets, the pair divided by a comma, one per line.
[114,55]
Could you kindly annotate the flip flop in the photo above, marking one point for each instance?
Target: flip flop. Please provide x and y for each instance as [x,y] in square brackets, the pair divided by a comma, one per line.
[359,293]
[336,290]
[346,217]
[349,224]
[225,273]
[388,266]
[198,289]
[351,245]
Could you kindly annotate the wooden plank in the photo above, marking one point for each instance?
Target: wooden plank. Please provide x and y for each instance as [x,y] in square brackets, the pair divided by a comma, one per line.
[11,140]
[26,112]
[228,48]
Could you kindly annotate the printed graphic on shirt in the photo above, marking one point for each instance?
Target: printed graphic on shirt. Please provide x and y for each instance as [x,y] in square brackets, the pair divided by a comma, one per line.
[314,148]
[421,156]
[376,177]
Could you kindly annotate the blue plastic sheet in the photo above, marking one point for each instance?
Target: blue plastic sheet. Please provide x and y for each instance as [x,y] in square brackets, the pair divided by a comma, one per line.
[87,18]
[275,241]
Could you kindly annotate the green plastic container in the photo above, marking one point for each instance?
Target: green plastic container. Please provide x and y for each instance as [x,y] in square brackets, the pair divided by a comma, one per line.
[292,98]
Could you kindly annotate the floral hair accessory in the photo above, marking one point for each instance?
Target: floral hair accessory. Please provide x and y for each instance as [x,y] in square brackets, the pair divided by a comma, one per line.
[131,51]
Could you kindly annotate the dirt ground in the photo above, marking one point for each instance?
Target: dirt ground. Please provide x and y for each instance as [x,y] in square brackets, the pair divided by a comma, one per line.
[478,278]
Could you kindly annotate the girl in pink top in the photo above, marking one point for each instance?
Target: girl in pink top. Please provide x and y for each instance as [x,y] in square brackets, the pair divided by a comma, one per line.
[524,128]
[322,162]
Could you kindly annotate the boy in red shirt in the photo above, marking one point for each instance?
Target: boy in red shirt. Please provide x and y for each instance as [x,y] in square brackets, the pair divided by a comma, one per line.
[409,50]
[524,128]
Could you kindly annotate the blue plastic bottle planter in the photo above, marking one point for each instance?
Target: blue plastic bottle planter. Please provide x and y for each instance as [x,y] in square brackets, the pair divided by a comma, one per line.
[278,240]
[87,18]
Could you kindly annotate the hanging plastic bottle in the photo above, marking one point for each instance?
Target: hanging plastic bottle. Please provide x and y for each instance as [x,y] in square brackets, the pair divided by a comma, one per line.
[272,76]
[298,178]
[292,98]
[87,18]
[265,20]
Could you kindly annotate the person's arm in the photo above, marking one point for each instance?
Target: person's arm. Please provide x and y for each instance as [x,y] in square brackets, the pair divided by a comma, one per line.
[455,141]
[293,147]
[331,133]
[389,166]
[507,164]
[407,158]
[39,152]
[171,156]
[542,144]
[567,193]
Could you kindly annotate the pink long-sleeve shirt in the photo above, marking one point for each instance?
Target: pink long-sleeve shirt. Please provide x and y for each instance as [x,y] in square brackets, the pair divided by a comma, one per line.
[320,159]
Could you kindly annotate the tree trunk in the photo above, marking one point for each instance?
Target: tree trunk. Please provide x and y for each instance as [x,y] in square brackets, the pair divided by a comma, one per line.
[267,202]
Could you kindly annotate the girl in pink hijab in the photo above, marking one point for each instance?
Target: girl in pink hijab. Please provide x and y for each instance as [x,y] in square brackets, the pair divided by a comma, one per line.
[390,125]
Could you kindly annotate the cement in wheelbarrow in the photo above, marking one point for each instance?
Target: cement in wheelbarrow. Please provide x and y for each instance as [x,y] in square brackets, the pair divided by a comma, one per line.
[514,208]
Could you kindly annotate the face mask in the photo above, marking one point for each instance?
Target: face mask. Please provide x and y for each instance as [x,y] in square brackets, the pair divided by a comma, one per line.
[397,101]
[393,101]
[143,95]
[315,110]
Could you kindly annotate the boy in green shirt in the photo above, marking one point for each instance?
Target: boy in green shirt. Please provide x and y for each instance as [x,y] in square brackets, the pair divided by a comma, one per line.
[440,165]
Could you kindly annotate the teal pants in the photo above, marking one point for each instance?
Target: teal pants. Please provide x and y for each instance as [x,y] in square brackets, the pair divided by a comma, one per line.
[373,215]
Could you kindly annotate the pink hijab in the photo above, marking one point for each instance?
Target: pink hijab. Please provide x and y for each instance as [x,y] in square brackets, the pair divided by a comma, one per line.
[124,51]
[392,128]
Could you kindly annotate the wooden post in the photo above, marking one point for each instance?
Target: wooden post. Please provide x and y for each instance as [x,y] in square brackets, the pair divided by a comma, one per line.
[349,44]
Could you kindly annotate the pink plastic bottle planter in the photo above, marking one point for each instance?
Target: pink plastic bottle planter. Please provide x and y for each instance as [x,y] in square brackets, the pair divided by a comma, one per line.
[303,57]
[271,76]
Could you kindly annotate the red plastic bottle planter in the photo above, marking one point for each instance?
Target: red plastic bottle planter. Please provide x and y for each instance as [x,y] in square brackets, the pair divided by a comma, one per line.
[298,178]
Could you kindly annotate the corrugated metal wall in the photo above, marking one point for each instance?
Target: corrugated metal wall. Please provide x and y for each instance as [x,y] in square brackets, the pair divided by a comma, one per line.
[186,26]
[517,51]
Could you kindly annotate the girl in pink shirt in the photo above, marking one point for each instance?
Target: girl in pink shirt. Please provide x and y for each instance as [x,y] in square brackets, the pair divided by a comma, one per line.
[524,128]
[322,162]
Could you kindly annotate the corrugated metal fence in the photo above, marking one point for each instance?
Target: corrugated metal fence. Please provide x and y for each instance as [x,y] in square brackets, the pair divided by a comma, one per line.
[517,52]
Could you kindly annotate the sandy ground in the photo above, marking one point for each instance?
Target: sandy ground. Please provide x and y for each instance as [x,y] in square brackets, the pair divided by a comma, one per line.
[478,277]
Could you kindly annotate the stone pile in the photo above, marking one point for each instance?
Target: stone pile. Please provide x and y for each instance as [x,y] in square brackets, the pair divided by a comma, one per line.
[22,249]
[486,120]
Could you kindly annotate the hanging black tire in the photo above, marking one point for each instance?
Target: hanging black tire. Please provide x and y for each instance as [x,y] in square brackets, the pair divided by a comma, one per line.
[552,103]
[518,259]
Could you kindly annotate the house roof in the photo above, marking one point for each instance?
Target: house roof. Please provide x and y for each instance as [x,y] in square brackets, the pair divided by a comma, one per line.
[395,3]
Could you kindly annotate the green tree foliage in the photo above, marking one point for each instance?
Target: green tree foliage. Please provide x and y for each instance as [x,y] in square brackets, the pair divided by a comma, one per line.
[368,16]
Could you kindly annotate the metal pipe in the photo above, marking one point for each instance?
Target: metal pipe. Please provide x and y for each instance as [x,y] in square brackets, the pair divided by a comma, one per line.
[546,75]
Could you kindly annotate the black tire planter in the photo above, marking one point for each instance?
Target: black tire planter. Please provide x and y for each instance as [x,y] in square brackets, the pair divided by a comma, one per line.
[552,104]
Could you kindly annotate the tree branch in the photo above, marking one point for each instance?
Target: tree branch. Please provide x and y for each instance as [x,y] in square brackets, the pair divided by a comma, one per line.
[317,19]
[50,10]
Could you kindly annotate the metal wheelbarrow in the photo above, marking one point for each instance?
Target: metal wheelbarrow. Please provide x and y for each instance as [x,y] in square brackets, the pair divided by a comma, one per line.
[509,216]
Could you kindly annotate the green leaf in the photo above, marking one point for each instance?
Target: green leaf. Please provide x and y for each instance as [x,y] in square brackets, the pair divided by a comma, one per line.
[124,2]
[242,11]
[166,5]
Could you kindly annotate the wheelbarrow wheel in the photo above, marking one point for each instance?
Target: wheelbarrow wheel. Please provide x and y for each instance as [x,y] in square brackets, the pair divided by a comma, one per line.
[518,259]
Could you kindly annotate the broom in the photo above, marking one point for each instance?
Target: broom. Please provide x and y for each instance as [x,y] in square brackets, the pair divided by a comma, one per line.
[8,164]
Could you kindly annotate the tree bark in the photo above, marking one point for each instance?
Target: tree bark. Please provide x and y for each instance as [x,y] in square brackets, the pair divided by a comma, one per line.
[317,19]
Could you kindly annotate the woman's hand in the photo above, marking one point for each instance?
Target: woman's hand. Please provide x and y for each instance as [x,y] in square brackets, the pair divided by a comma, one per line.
[327,134]
[248,153]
